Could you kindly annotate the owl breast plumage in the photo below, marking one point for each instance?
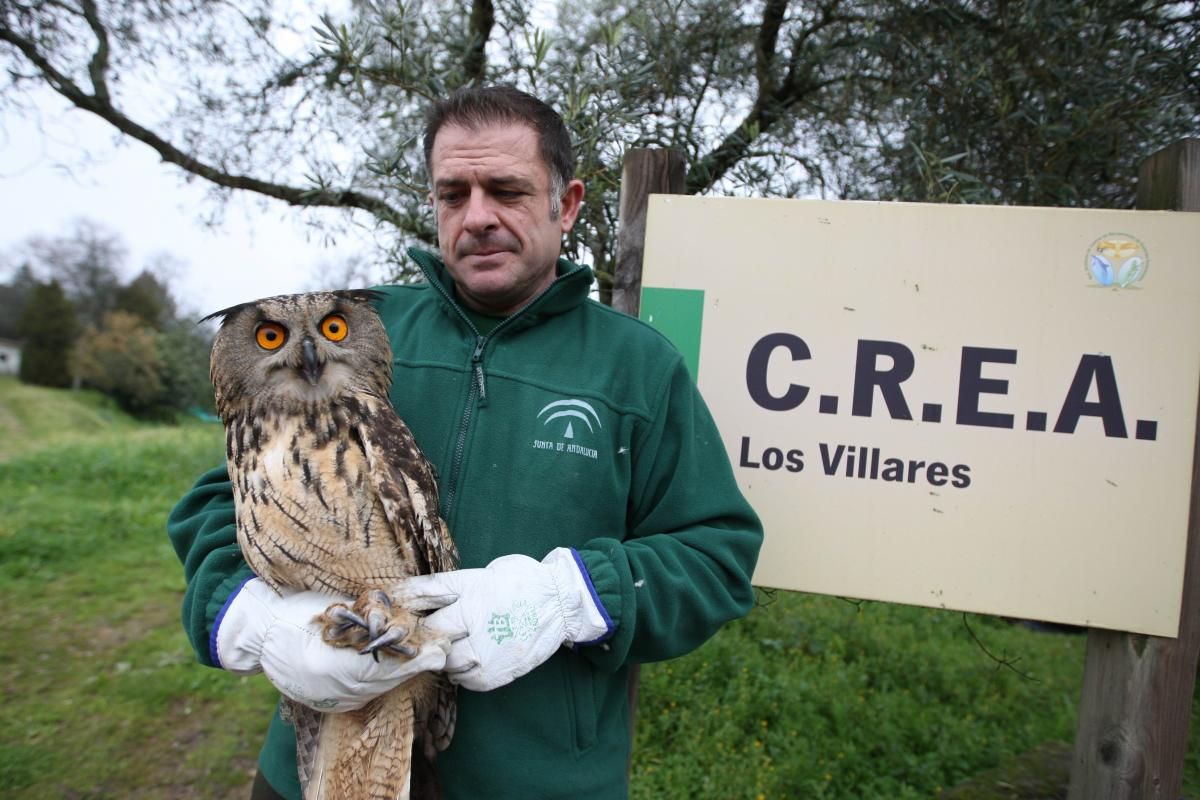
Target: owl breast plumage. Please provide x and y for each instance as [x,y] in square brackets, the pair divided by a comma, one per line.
[312,476]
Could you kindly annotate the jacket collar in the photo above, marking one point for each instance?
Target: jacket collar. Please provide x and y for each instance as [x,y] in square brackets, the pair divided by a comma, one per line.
[570,289]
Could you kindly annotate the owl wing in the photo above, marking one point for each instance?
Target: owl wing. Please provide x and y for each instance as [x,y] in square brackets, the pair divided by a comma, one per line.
[407,488]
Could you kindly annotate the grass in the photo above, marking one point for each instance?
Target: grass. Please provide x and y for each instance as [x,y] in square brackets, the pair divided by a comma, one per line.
[813,697]
[808,697]
[32,417]
[102,696]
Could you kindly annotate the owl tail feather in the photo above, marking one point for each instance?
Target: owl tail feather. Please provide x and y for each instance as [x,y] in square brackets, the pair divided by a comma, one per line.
[364,754]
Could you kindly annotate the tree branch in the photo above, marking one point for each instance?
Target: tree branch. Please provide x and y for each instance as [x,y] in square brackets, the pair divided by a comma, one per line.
[770,103]
[1007,663]
[101,105]
[765,44]
[483,17]
[767,110]
[98,66]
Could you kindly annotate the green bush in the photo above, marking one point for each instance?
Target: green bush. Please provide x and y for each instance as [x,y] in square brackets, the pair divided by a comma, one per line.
[816,697]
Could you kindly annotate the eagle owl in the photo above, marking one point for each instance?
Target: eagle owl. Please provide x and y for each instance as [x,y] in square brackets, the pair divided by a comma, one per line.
[332,494]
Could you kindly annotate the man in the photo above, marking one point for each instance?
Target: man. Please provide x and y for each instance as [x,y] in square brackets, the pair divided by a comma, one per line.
[581,475]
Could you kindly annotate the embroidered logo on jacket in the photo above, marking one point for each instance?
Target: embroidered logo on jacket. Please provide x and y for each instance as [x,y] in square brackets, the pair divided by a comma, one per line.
[573,423]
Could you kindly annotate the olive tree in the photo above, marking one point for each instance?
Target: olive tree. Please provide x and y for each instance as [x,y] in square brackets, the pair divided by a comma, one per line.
[968,100]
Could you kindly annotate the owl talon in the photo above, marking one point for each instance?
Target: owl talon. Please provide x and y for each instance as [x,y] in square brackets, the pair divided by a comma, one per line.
[377,623]
[382,598]
[374,625]
[345,618]
[390,639]
[404,650]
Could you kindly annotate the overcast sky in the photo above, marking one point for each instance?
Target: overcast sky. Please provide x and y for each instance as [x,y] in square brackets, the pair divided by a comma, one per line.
[260,248]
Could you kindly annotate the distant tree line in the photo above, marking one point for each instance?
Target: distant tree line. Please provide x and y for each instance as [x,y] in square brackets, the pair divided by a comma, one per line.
[81,324]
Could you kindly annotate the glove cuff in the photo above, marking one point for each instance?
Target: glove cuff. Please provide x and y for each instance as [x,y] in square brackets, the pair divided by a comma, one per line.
[235,643]
[585,620]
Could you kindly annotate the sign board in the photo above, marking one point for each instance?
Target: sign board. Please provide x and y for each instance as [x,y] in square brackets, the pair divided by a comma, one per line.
[990,409]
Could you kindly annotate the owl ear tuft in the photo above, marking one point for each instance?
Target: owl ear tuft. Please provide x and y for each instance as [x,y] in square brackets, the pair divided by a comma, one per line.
[226,313]
[358,295]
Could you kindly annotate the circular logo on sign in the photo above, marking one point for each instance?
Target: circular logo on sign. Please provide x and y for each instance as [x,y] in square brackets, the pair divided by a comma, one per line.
[1117,260]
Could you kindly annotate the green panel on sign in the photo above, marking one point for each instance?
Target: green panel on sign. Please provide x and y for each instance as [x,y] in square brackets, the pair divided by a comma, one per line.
[677,314]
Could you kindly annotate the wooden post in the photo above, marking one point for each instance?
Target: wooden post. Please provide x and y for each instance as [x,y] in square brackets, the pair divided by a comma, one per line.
[1137,690]
[644,172]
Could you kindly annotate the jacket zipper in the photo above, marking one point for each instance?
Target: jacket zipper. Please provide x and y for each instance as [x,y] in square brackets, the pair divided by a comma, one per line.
[460,444]
[474,385]
[477,388]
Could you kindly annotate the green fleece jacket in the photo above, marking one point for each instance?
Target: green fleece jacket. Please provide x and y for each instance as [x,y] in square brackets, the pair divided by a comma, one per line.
[568,424]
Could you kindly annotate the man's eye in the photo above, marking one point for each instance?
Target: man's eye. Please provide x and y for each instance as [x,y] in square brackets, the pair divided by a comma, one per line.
[449,198]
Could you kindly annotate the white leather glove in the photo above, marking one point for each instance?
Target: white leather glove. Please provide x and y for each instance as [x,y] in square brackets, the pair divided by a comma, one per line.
[509,617]
[275,634]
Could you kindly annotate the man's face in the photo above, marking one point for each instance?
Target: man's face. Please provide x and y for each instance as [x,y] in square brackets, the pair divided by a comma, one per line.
[491,195]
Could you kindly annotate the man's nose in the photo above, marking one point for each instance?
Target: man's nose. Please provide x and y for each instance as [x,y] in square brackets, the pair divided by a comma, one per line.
[481,213]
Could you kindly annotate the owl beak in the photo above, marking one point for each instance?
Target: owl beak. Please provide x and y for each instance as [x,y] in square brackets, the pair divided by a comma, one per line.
[311,370]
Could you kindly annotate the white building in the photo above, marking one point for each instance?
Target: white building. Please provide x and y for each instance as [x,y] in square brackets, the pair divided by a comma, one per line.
[10,357]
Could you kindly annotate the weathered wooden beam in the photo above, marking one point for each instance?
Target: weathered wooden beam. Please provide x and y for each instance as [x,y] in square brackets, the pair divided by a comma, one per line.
[1169,180]
[1137,690]
[643,173]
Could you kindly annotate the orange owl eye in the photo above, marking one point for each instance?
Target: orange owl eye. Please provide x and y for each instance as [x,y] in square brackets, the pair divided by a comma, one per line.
[334,327]
[270,335]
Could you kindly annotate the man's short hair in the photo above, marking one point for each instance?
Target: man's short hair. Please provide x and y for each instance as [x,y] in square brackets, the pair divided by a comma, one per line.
[476,107]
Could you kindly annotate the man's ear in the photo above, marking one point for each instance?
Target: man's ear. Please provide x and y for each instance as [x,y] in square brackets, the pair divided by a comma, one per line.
[572,201]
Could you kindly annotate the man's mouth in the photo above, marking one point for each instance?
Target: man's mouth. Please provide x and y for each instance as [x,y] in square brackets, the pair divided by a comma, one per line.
[485,248]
